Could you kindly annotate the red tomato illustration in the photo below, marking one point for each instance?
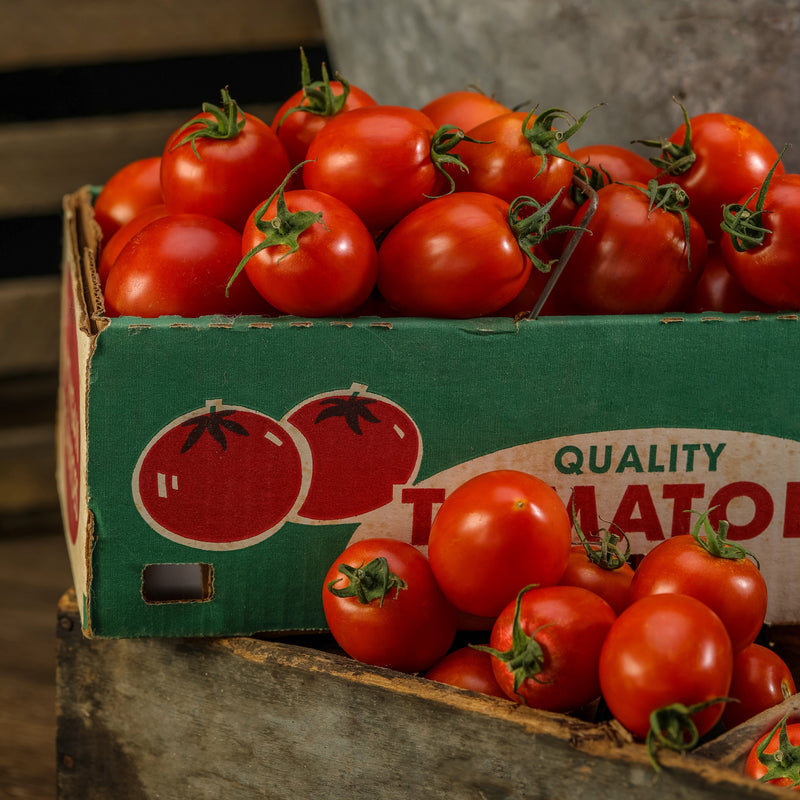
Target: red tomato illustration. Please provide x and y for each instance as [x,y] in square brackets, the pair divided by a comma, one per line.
[219,477]
[362,446]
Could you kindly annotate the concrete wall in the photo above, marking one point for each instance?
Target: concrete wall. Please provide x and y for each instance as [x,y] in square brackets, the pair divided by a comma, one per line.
[741,56]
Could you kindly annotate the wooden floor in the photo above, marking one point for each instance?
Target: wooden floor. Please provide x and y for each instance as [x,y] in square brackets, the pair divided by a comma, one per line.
[34,573]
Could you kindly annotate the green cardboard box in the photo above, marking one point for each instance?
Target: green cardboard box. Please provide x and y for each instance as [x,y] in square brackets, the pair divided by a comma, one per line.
[211,469]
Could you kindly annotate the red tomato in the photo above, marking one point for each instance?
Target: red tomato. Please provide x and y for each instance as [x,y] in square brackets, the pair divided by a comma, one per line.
[495,534]
[128,192]
[761,680]
[382,161]
[457,256]
[303,115]
[713,570]
[716,159]
[546,647]
[619,164]
[467,668]
[362,445]
[308,254]
[383,606]
[763,240]
[180,264]
[637,258]
[463,108]
[662,650]
[113,247]
[222,163]
[218,475]
[612,584]
[775,757]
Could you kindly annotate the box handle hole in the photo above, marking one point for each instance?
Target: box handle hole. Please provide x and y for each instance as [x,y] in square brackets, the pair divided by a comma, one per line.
[177,583]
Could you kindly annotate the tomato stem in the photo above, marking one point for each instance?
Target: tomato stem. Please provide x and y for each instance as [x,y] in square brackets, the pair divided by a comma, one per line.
[368,582]
[675,159]
[716,542]
[227,123]
[606,554]
[784,762]
[446,138]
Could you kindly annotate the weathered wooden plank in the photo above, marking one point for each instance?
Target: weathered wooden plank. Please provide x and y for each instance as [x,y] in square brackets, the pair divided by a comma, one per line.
[243,718]
[37,32]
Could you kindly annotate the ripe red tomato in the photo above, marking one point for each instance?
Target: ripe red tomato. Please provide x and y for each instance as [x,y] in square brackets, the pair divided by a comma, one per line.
[620,164]
[218,477]
[761,680]
[464,108]
[180,264]
[222,163]
[383,161]
[713,570]
[775,757]
[666,649]
[457,256]
[305,113]
[546,647]
[113,247]
[716,159]
[308,254]
[362,445]
[384,608]
[467,668]
[613,584]
[762,241]
[129,191]
[638,258]
[495,534]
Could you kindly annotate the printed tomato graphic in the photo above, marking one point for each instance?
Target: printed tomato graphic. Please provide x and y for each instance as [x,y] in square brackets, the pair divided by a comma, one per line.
[362,446]
[220,477]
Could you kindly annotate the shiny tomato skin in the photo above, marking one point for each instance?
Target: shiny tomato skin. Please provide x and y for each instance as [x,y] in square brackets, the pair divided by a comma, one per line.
[761,680]
[375,159]
[332,272]
[113,247]
[769,271]
[755,769]
[411,630]
[634,261]
[454,257]
[572,624]
[467,668]
[180,264]
[733,588]
[230,176]
[613,585]
[296,128]
[496,533]
[732,158]
[463,108]
[622,164]
[129,191]
[665,649]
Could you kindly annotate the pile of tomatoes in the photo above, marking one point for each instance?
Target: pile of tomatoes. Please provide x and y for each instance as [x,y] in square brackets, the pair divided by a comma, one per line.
[465,207]
[669,649]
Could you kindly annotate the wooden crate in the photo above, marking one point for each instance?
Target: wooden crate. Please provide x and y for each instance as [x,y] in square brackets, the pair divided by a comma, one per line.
[244,718]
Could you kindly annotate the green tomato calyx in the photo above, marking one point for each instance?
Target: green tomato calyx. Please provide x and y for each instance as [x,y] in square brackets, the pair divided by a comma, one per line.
[604,551]
[716,541]
[226,122]
[368,582]
[784,762]
[676,158]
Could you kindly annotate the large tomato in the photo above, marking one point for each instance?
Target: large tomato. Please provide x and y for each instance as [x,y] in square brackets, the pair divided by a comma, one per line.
[467,668]
[308,254]
[667,653]
[383,161]
[775,757]
[643,253]
[716,158]
[495,534]
[222,163]
[128,192]
[462,255]
[761,680]
[181,264]
[384,608]
[546,647]
[306,112]
[218,477]
[464,108]
[362,446]
[762,240]
[714,571]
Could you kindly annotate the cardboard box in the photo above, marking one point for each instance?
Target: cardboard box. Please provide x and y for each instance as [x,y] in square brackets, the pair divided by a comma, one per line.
[641,418]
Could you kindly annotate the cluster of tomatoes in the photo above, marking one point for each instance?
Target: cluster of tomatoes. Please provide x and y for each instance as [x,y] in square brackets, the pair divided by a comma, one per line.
[342,205]
[670,647]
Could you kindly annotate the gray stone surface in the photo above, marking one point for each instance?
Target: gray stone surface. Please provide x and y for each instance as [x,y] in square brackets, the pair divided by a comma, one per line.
[737,56]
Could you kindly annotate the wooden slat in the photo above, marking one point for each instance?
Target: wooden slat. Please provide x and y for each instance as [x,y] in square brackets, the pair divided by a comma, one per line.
[41,33]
